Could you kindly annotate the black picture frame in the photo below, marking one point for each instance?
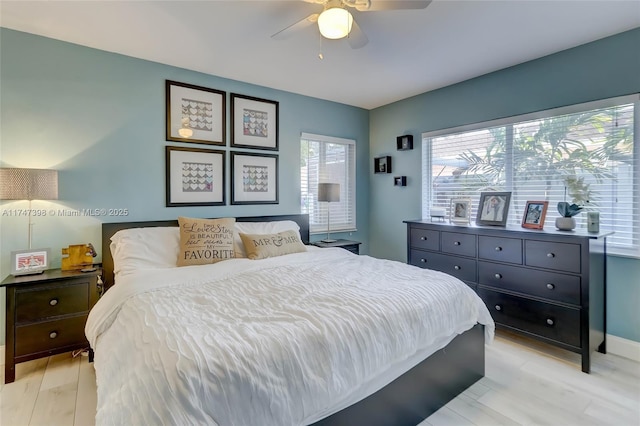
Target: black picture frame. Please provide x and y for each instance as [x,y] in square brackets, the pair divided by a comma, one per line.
[404,142]
[382,164]
[493,208]
[195,177]
[195,114]
[400,181]
[254,122]
[254,178]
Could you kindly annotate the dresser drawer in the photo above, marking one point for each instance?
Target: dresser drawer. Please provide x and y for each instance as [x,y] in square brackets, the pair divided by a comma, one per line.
[500,249]
[457,243]
[558,256]
[459,267]
[45,336]
[425,239]
[41,303]
[548,285]
[544,319]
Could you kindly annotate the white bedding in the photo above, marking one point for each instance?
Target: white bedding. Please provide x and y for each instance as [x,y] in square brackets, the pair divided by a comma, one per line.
[280,341]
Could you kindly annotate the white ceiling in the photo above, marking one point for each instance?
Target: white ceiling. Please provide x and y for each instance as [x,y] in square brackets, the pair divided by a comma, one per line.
[409,52]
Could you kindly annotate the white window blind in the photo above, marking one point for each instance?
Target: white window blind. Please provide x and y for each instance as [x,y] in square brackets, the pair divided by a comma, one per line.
[589,156]
[326,159]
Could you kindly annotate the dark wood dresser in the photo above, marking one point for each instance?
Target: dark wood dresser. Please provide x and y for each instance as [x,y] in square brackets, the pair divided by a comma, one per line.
[46,314]
[546,284]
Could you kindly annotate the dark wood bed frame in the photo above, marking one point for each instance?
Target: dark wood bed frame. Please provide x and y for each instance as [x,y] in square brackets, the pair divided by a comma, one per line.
[407,400]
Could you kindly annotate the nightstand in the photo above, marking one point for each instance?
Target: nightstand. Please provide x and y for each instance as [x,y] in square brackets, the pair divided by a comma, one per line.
[352,246]
[46,314]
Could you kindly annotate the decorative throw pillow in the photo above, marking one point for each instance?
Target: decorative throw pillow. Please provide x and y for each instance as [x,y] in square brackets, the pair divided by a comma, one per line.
[205,241]
[261,246]
[272,227]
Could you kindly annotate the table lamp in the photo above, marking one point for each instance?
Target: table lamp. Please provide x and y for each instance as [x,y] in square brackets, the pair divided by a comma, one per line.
[330,193]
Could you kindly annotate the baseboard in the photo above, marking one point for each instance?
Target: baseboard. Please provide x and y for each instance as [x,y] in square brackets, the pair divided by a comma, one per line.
[623,347]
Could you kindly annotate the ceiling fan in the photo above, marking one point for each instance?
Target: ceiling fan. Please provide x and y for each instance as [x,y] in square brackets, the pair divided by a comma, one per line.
[336,21]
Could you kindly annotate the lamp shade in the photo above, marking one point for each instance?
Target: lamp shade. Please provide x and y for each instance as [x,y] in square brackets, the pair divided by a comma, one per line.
[329,192]
[28,184]
[335,23]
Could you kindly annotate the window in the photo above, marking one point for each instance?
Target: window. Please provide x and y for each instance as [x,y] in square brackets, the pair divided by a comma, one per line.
[325,159]
[585,154]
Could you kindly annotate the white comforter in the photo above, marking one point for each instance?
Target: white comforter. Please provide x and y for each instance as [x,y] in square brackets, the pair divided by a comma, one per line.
[280,341]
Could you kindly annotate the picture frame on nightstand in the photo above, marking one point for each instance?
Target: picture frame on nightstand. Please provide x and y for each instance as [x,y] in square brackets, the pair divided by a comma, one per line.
[29,262]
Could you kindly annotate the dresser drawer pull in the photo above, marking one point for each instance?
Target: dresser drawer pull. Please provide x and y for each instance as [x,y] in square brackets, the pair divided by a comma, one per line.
[457,243]
[457,268]
[498,276]
[423,238]
[53,302]
[550,321]
[551,286]
[423,260]
[53,335]
[498,248]
[551,255]
[498,308]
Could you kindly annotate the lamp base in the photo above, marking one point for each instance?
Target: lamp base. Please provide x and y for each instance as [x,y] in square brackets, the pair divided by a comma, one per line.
[328,240]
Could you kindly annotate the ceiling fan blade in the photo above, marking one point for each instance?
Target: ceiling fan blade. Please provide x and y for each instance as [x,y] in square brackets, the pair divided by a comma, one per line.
[356,37]
[396,5]
[293,28]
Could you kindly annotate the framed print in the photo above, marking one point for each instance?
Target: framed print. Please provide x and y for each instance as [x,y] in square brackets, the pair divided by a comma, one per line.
[254,178]
[460,211]
[254,122]
[534,214]
[195,177]
[195,114]
[32,261]
[493,208]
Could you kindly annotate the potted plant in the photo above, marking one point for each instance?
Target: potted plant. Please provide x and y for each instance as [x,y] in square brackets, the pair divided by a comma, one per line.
[567,222]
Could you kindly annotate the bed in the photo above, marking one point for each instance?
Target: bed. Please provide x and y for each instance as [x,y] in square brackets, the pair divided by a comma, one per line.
[160,360]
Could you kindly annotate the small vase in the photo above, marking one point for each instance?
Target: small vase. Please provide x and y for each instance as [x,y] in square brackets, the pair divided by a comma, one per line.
[565,223]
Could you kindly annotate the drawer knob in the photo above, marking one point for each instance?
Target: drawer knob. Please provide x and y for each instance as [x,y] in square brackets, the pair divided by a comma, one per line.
[498,308]
[551,255]
[498,276]
[550,286]
[457,268]
[53,302]
[457,243]
[498,248]
[550,321]
[423,238]
[53,335]
[423,260]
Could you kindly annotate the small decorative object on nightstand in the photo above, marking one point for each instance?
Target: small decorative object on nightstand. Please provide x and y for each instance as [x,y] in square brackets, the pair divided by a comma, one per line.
[46,314]
[404,143]
[352,246]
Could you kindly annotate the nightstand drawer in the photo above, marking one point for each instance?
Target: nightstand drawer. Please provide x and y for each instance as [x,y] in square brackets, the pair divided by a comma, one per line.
[558,256]
[45,336]
[500,249]
[544,319]
[548,285]
[425,239]
[457,243]
[41,303]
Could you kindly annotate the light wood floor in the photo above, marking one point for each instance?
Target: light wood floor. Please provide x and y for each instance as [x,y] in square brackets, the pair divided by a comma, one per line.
[526,383]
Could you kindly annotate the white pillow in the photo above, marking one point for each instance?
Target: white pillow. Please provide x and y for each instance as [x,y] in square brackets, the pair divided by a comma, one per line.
[260,228]
[143,248]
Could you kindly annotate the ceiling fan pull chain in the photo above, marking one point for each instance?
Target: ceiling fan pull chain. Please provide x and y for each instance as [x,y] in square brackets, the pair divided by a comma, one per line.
[320,55]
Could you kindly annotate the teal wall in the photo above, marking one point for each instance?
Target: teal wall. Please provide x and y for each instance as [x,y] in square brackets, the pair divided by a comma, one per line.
[98,118]
[602,69]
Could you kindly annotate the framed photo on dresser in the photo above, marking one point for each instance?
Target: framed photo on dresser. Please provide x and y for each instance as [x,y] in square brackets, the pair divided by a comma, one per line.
[493,208]
[534,214]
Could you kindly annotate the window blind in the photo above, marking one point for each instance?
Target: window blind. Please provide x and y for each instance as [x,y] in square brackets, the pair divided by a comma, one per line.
[326,159]
[589,156]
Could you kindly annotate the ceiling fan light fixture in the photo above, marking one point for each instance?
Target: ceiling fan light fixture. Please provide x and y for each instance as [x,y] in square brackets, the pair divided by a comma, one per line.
[335,23]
